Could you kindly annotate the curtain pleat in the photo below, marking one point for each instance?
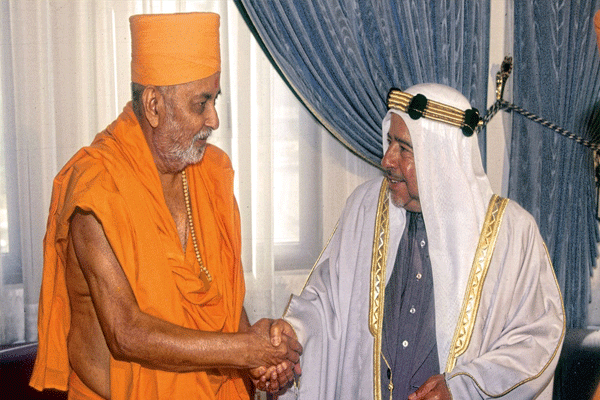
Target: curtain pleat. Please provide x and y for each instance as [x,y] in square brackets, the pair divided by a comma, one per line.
[556,76]
[342,57]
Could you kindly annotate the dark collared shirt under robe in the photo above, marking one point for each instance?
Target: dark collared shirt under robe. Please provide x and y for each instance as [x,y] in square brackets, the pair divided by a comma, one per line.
[408,339]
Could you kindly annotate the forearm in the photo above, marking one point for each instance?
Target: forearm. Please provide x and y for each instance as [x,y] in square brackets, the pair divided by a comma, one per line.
[520,365]
[158,344]
[136,336]
[520,327]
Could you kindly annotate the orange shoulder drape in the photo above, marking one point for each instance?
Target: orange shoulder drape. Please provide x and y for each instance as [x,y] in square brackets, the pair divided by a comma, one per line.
[116,179]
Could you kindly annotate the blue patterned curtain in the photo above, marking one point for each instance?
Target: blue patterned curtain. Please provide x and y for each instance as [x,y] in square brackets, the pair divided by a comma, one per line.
[341,57]
[557,76]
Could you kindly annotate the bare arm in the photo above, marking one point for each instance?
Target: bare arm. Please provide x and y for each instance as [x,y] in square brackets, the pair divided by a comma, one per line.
[133,335]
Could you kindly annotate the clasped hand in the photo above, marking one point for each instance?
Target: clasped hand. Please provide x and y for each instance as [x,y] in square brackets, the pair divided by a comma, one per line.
[282,359]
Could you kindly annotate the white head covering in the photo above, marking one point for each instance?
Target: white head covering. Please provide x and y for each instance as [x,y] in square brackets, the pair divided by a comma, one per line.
[454,192]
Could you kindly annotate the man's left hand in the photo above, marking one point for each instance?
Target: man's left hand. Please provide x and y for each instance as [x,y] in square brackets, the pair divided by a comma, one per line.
[434,388]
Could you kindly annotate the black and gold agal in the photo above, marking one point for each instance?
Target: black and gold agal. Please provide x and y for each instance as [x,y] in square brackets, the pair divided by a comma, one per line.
[417,106]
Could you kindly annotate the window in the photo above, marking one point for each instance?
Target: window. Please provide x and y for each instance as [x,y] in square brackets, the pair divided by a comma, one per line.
[296,182]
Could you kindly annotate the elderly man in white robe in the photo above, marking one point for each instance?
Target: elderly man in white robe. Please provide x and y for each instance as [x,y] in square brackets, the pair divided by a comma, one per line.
[431,287]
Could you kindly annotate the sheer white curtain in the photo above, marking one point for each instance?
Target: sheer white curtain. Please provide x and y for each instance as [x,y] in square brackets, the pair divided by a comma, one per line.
[65,76]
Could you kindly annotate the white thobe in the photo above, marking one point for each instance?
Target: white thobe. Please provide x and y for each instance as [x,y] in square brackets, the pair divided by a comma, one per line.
[518,331]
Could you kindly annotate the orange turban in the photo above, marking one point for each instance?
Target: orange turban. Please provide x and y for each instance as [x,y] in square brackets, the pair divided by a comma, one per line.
[170,49]
[597,26]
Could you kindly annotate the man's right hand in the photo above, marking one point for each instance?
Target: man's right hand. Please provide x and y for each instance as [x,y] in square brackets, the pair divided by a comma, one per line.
[272,378]
[265,351]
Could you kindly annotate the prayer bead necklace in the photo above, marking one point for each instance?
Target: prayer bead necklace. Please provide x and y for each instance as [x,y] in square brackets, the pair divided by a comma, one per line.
[188,207]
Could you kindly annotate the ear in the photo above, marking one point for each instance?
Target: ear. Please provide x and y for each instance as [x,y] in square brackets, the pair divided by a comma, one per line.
[151,103]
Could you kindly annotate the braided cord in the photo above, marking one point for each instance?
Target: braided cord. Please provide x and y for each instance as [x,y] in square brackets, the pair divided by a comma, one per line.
[503,104]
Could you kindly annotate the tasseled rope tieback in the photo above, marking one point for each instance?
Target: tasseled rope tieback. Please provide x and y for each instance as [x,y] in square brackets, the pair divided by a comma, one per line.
[188,207]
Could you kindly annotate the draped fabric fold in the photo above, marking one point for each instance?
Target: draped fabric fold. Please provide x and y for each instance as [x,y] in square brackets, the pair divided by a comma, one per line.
[557,76]
[342,57]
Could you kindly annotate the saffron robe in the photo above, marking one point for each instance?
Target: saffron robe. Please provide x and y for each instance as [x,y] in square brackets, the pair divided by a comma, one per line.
[116,179]
[518,331]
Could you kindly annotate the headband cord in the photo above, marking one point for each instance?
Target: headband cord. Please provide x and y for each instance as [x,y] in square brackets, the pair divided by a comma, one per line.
[418,106]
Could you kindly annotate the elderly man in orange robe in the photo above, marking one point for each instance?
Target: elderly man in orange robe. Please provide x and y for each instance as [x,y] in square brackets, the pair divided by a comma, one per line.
[143,288]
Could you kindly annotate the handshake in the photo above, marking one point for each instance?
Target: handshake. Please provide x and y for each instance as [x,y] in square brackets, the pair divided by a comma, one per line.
[276,354]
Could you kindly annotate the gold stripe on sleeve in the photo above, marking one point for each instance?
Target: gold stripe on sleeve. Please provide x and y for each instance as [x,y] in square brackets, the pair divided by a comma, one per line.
[481,263]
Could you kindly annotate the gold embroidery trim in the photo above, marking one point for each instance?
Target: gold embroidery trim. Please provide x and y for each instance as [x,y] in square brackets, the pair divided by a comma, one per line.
[481,263]
[377,288]
[554,354]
